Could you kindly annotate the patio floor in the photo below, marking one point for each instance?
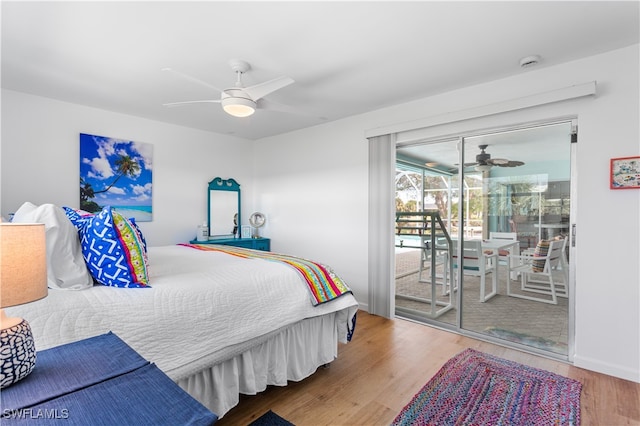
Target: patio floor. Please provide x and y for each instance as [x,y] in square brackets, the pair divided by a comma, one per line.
[532,323]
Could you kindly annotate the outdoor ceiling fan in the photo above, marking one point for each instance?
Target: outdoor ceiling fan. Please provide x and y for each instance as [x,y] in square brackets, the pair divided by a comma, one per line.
[485,162]
[238,101]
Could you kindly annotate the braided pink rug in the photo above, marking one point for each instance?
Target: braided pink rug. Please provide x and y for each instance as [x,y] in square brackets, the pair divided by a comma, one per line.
[474,388]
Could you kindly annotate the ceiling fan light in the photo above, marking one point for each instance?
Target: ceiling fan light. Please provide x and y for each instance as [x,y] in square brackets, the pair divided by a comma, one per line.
[238,107]
[483,167]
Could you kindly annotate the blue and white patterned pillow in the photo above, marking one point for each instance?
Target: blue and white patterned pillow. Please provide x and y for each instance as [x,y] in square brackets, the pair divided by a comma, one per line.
[114,250]
[77,218]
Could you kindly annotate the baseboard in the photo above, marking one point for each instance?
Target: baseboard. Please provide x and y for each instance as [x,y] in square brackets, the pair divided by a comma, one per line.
[606,368]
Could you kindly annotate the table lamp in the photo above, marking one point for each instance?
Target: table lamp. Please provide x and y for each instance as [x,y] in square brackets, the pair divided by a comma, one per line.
[23,279]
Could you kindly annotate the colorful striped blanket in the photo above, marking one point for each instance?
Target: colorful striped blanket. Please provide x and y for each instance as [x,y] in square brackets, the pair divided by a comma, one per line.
[323,284]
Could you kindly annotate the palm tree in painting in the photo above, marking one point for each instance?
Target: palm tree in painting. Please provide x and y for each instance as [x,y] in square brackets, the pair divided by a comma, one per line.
[86,190]
[86,194]
[125,165]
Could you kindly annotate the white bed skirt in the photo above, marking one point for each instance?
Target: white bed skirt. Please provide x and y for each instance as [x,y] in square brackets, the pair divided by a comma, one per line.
[292,353]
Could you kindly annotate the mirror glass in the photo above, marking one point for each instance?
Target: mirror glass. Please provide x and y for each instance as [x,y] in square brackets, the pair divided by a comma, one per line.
[224,208]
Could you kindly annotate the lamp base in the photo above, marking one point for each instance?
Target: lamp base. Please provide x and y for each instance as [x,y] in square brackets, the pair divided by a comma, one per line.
[17,353]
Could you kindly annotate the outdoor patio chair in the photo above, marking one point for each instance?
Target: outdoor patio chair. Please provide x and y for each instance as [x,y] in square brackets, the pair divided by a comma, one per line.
[511,236]
[427,252]
[545,272]
[477,263]
[503,254]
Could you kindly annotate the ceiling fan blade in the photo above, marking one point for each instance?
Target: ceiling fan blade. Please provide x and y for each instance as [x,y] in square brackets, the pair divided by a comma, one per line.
[204,101]
[275,106]
[261,90]
[512,163]
[192,79]
[497,161]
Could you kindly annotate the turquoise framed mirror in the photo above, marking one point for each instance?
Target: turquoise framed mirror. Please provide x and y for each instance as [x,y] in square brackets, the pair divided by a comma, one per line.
[223,200]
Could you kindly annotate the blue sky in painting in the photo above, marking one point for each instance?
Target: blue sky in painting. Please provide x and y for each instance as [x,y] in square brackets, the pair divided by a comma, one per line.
[97,167]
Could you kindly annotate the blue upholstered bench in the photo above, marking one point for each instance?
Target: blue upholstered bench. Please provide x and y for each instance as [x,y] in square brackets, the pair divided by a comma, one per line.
[99,381]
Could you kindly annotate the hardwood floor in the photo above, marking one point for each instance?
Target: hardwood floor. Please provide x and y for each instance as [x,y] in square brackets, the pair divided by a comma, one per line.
[388,361]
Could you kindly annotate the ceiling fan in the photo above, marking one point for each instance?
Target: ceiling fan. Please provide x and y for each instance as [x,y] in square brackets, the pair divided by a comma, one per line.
[238,100]
[485,162]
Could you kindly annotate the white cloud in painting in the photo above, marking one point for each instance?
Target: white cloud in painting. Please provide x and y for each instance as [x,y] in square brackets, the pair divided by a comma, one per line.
[117,190]
[141,189]
[146,153]
[100,167]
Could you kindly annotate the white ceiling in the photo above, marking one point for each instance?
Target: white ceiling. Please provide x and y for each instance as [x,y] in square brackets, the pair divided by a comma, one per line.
[346,58]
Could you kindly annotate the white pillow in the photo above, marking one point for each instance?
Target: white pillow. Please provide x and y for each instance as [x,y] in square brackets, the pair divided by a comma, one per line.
[24,210]
[66,268]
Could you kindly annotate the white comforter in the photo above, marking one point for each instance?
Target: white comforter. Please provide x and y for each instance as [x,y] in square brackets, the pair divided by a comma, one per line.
[199,303]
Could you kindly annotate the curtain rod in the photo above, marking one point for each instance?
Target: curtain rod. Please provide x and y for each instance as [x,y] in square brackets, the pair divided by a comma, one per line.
[556,95]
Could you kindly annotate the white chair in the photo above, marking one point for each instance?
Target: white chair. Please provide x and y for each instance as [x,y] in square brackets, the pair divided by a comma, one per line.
[541,272]
[434,257]
[507,236]
[477,263]
[536,285]
[503,254]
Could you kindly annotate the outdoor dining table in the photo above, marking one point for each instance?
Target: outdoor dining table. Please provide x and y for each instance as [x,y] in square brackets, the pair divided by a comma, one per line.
[495,245]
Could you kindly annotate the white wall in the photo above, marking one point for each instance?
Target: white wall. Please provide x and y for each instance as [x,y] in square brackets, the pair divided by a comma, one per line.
[313,189]
[40,156]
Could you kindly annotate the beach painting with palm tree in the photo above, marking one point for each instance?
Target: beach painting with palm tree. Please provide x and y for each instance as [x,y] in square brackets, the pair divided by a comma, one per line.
[116,173]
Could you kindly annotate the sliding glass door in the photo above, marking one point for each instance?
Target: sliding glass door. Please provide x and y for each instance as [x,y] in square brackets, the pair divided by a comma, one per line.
[475,217]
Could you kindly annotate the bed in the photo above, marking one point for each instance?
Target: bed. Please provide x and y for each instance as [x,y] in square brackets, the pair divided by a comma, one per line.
[218,322]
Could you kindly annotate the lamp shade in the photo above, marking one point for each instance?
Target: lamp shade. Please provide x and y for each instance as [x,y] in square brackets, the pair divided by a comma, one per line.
[23,263]
[23,279]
